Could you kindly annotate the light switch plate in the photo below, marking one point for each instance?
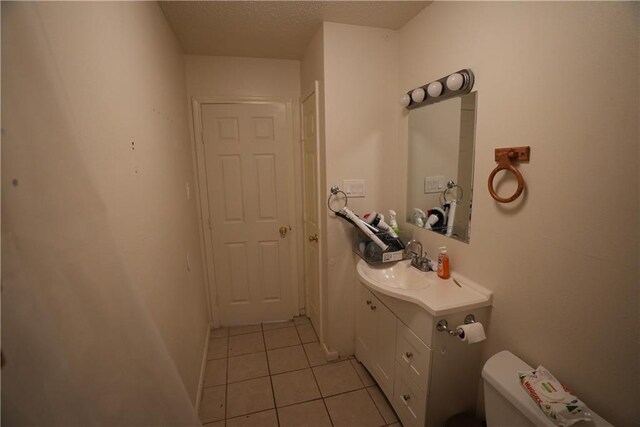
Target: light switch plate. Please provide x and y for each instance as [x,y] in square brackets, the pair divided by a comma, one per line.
[433,184]
[354,187]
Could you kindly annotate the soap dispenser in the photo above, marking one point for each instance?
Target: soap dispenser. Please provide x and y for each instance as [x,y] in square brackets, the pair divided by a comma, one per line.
[443,263]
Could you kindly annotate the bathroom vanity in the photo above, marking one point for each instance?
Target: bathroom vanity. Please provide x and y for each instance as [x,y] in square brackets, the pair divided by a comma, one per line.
[426,374]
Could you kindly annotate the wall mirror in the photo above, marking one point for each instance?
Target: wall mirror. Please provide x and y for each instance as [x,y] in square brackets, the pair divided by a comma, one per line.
[440,166]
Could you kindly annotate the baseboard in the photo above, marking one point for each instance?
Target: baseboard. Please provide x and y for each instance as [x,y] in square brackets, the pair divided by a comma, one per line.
[202,368]
[330,355]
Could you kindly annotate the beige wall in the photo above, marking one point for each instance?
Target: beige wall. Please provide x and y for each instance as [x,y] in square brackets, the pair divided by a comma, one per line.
[242,78]
[97,302]
[361,107]
[562,261]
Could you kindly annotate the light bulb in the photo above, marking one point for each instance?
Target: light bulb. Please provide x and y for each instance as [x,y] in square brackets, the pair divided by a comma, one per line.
[405,100]
[418,95]
[434,89]
[455,81]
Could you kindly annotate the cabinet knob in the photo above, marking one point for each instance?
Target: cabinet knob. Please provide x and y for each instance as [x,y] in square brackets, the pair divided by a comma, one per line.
[368,302]
[406,397]
[373,307]
[408,354]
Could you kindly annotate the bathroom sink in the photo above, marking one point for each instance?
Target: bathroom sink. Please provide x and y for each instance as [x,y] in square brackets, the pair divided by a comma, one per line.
[398,276]
[438,296]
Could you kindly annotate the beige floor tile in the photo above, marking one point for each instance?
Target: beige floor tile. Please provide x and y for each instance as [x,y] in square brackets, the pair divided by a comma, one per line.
[339,377]
[249,396]
[307,333]
[215,373]
[217,348]
[283,337]
[220,423]
[301,320]
[382,404]
[354,409]
[277,325]
[259,419]
[315,354]
[244,329]
[247,366]
[244,344]
[294,387]
[287,359]
[307,414]
[395,425]
[362,372]
[220,332]
[212,404]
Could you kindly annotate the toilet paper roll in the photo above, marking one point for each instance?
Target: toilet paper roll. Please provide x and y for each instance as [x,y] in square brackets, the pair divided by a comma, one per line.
[472,333]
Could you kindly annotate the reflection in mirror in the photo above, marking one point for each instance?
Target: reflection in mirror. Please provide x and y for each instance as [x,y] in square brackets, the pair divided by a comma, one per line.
[440,166]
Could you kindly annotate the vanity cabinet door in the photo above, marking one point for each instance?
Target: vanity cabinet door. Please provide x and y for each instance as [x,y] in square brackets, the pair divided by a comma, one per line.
[366,327]
[376,338]
[385,348]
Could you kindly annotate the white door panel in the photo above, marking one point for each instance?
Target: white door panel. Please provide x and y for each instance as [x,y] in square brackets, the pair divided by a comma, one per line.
[247,163]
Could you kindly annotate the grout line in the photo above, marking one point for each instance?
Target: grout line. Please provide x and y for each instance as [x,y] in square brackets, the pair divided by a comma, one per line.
[376,405]
[273,391]
[324,402]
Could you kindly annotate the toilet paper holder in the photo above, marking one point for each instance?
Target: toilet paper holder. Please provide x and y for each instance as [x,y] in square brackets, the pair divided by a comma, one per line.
[443,326]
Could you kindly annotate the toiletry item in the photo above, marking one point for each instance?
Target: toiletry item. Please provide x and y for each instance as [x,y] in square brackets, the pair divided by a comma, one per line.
[377,220]
[555,400]
[472,333]
[364,227]
[443,263]
[451,217]
[436,220]
[393,222]
[419,217]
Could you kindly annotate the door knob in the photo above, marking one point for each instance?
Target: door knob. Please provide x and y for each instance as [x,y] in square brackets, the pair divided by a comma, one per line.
[283,232]
[313,238]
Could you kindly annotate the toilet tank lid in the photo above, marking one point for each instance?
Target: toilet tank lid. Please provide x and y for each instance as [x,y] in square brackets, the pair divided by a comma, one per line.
[501,371]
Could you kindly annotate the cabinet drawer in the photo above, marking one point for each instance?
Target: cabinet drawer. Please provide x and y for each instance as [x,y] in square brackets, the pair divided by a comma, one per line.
[413,356]
[409,401]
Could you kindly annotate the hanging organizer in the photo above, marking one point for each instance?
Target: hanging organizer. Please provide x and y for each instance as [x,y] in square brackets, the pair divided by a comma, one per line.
[372,244]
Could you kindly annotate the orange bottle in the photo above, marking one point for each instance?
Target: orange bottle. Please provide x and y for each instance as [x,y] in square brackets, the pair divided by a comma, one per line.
[443,264]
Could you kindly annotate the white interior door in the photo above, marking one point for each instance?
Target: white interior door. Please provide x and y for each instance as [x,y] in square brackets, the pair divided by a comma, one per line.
[311,215]
[247,160]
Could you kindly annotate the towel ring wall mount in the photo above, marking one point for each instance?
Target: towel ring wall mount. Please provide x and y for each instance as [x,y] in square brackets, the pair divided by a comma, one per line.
[506,157]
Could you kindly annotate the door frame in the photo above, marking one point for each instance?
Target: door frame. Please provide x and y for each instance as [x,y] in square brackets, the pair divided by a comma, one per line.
[315,90]
[202,196]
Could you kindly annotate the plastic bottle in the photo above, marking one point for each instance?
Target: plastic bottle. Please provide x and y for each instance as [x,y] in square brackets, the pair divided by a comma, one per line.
[443,263]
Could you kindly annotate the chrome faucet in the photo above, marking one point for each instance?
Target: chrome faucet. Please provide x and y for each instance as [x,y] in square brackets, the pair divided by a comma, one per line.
[418,259]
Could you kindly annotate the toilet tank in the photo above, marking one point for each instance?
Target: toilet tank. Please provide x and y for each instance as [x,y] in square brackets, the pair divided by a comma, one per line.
[506,403]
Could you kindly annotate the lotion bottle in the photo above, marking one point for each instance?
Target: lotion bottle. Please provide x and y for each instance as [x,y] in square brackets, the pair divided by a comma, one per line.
[443,264]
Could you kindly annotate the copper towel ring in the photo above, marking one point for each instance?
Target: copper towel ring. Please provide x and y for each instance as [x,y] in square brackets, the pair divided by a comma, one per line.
[505,158]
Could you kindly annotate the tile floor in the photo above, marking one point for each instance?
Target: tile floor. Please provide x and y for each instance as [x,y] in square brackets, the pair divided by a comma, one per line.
[275,374]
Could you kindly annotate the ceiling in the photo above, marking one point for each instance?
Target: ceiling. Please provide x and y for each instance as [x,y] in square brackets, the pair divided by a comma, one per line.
[273,29]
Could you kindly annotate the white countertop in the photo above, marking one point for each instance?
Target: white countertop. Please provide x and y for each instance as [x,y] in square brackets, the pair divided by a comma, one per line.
[439,296]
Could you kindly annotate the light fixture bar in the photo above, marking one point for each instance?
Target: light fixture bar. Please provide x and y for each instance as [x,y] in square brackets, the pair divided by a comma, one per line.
[455,84]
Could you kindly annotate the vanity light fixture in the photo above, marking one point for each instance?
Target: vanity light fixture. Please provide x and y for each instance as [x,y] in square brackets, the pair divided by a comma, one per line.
[434,89]
[418,95]
[455,81]
[453,85]
[405,100]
